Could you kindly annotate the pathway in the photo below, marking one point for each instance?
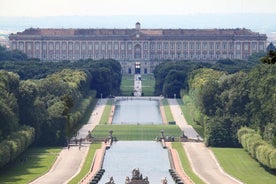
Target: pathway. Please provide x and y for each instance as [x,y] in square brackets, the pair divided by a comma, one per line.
[201,158]
[70,161]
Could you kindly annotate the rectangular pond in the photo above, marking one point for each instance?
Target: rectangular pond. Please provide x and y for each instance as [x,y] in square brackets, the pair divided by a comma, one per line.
[124,156]
[137,111]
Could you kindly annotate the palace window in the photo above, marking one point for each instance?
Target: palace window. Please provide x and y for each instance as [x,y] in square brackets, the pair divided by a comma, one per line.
[29,47]
[198,46]
[245,46]
[211,46]
[122,46]
[96,46]
[178,45]
[77,46]
[90,46]
[191,46]
[254,46]
[145,46]
[152,46]
[172,46]
[129,46]
[57,46]
[83,45]
[70,46]
[204,45]
[165,45]
[224,46]
[103,46]
[109,46]
[217,45]
[44,46]
[185,45]
[231,46]
[116,46]
[159,46]
[261,45]
[238,46]
[37,45]
[63,46]
[51,46]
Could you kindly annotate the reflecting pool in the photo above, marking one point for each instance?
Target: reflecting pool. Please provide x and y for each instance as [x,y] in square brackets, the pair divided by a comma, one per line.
[137,111]
[124,156]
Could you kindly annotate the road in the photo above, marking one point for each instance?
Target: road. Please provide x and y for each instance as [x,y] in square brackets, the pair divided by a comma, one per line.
[201,158]
[70,161]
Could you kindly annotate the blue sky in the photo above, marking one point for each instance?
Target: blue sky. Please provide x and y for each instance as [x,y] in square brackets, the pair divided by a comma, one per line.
[37,8]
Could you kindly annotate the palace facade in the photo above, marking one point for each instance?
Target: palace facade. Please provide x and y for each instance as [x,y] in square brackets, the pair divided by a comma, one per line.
[144,48]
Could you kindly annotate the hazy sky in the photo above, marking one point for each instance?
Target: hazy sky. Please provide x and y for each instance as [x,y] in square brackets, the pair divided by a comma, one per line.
[35,8]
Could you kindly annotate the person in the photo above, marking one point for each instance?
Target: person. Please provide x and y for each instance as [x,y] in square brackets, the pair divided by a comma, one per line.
[80,143]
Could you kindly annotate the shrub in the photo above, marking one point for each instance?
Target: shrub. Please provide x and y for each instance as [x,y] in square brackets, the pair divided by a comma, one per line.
[15,144]
[257,147]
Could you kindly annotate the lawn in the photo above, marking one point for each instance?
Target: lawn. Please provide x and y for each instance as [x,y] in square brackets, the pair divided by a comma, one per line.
[185,163]
[148,83]
[87,164]
[238,163]
[29,166]
[106,112]
[136,132]
[167,109]
[127,85]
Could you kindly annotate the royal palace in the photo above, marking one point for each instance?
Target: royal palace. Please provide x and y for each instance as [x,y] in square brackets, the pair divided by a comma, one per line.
[137,46]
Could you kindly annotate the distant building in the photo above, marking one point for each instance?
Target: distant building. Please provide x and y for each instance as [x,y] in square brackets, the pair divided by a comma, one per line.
[137,47]
[270,47]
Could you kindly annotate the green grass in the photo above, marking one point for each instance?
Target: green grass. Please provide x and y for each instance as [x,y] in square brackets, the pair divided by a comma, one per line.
[87,164]
[238,163]
[127,85]
[29,166]
[148,83]
[191,113]
[106,112]
[185,163]
[167,109]
[136,132]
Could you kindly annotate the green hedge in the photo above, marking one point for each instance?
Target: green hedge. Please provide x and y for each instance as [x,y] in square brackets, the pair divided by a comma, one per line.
[15,144]
[84,105]
[257,148]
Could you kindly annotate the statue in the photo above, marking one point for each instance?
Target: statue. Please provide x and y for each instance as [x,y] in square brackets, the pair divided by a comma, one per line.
[111,181]
[137,178]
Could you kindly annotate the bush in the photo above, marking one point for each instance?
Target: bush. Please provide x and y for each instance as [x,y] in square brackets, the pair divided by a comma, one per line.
[257,147]
[17,143]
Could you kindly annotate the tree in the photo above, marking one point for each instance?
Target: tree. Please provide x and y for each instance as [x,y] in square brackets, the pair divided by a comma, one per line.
[270,58]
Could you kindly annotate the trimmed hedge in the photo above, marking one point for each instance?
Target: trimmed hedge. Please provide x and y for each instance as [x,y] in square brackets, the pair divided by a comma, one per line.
[15,144]
[257,148]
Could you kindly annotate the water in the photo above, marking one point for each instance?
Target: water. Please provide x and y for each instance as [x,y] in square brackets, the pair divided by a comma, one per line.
[137,111]
[124,156]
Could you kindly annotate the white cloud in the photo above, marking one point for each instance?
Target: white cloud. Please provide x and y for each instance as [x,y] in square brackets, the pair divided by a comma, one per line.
[131,7]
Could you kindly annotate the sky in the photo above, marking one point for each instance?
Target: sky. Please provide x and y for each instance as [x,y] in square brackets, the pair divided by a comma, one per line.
[39,8]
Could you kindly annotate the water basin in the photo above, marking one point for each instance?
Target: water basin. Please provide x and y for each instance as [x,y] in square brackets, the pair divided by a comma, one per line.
[124,156]
[137,111]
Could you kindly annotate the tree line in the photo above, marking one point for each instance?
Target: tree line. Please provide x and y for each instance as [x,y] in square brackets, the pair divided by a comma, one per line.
[48,106]
[226,98]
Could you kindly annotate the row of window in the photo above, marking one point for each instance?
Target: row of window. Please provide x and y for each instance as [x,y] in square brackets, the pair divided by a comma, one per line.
[153,57]
[129,46]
